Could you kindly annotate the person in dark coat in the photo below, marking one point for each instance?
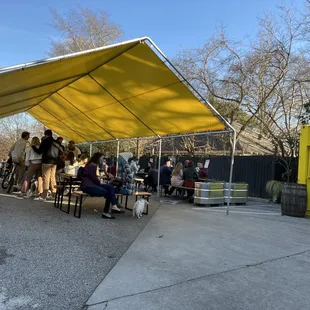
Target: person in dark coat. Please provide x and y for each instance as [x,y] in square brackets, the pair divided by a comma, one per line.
[152,179]
[190,176]
[165,175]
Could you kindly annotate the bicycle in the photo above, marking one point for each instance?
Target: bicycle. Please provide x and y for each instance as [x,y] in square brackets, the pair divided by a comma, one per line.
[5,168]
[9,178]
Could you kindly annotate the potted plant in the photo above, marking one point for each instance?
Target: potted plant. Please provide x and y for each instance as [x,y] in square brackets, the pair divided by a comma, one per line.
[274,190]
[211,193]
[238,192]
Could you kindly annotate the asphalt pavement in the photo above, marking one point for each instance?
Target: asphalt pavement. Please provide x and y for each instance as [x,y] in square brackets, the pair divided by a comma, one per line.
[50,260]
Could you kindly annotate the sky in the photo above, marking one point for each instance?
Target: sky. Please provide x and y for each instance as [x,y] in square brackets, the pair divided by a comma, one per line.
[25,25]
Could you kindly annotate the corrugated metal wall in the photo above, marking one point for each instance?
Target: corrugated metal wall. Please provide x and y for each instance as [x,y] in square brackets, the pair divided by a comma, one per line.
[254,170]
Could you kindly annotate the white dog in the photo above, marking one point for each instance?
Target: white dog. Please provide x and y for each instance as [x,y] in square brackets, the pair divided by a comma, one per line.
[138,208]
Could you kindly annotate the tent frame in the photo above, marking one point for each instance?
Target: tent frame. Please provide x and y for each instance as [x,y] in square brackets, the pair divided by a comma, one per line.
[183,80]
[179,75]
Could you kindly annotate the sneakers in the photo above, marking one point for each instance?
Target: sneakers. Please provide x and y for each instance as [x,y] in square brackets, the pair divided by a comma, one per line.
[39,199]
[17,187]
[49,198]
[17,193]
[19,197]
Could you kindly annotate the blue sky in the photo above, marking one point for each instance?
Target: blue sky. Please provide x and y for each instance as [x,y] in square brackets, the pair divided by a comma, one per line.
[25,29]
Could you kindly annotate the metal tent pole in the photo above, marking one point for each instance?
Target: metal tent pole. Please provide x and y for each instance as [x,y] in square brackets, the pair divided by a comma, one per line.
[231,169]
[117,155]
[159,160]
[90,149]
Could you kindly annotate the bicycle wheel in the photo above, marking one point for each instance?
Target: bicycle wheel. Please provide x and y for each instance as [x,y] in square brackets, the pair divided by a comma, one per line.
[6,180]
[12,180]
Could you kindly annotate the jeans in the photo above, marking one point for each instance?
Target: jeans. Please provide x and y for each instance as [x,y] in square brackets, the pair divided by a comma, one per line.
[103,190]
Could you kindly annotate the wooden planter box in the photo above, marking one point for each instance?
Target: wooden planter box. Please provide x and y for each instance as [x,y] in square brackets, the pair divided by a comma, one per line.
[209,193]
[238,193]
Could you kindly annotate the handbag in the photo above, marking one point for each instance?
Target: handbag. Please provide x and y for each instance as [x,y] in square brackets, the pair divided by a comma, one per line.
[117,182]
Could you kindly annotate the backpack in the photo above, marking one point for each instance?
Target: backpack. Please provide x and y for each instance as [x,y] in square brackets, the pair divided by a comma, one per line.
[55,151]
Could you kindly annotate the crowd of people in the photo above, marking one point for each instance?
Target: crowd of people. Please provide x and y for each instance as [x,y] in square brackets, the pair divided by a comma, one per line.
[181,176]
[43,158]
[174,177]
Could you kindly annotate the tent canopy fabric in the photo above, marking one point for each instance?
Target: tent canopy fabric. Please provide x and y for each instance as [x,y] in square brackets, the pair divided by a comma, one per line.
[121,91]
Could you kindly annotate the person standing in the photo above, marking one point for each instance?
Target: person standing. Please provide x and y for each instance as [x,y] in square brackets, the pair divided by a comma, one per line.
[17,153]
[51,151]
[33,162]
[125,173]
[74,149]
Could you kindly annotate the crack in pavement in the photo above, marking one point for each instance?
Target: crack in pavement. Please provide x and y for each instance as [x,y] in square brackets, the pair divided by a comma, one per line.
[204,277]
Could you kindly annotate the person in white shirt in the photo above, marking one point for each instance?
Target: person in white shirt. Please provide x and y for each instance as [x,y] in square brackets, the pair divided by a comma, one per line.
[17,153]
[71,164]
[74,149]
[134,165]
[33,162]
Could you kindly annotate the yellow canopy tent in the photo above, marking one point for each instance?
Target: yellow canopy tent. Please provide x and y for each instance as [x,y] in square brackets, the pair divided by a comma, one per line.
[122,91]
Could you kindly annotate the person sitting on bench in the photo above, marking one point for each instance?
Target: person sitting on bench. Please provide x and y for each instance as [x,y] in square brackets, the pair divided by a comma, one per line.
[190,175]
[177,178]
[165,175]
[152,179]
[91,186]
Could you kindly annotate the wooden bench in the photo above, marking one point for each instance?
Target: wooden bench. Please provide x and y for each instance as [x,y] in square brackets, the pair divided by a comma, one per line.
[179,187]
[59,195]
[81,196]
[59,189]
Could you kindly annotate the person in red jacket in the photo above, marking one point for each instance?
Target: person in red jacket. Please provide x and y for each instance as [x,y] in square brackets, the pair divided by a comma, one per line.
[202,172]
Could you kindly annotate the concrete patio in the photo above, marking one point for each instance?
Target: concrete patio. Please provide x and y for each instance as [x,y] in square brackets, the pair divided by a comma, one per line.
[198,258]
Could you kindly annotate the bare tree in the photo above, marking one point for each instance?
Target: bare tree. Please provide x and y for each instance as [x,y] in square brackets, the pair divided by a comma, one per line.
[82,29]
[12,127]
[256,84]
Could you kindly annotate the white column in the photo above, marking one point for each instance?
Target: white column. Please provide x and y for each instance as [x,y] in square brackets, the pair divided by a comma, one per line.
[159,160]
[117,155]
[231,168]
[90,149]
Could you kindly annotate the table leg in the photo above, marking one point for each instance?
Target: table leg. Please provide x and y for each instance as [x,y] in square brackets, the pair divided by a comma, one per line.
[69,195]
[61,195]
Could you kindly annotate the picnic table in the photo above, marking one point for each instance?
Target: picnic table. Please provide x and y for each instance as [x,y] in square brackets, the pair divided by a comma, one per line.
[138,182]
[71,181]
[66,180]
